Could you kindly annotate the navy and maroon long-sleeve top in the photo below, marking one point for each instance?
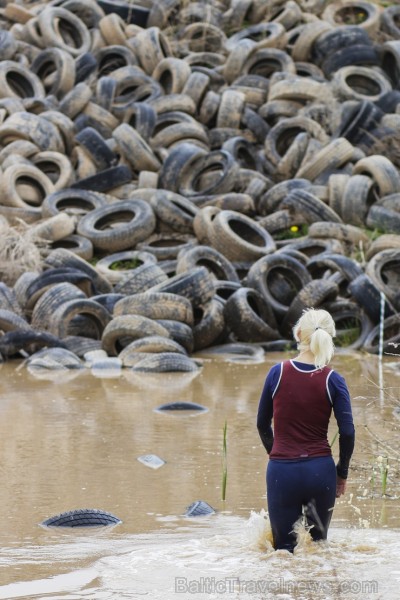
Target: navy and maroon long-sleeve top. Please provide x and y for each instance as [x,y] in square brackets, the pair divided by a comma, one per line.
[300,399]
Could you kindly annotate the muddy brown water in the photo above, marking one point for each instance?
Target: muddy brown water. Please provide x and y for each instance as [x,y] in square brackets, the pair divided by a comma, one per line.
[71,440]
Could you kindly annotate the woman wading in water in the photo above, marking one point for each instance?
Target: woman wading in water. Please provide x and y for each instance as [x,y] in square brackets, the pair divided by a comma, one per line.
[299,395]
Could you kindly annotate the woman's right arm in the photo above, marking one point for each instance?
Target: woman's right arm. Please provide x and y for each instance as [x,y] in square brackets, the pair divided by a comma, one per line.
[344,418]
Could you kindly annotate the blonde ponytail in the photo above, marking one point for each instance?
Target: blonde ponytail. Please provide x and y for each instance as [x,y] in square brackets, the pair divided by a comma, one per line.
[314,332]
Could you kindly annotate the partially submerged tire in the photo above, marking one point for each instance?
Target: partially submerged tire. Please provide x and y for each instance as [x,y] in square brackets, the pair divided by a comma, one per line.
[166,362]
[82,517]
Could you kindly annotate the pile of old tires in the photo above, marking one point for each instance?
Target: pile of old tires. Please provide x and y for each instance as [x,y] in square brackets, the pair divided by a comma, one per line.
[197,173]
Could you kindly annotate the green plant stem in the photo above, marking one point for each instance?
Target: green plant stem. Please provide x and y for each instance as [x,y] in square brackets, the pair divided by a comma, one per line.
[224,461]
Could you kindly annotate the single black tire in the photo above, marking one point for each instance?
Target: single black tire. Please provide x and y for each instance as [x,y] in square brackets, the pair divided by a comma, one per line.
[278,278]
[141,348]
[124,329]
[217,264]
[239,238]
[82,517]
[384,269]
[368,296]
[209,324]
[337,38]
[96,318]
[156,305]
[118,226]
[249,317]
[51,300]
[72,201]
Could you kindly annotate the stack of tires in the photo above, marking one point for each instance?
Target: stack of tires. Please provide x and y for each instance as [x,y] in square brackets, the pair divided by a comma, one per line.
[196,174]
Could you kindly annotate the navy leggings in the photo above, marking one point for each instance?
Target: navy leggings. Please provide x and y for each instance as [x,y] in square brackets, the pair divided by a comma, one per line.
[292,485]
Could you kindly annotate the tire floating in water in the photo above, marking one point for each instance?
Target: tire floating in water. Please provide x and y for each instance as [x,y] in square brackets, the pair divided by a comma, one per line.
[82,517]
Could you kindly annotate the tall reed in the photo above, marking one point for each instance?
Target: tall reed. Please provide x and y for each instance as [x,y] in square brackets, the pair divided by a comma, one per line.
[224,461]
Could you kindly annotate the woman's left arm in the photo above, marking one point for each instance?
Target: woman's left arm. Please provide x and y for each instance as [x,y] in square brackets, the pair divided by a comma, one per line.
[265,409]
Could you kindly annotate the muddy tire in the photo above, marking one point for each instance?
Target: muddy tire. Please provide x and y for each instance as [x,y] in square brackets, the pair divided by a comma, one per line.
[239,238]
[367,295]
[119,226]
[95,320]
[156,306]
[143,347]
[197,286]
[351,322]
[167,246]
[72,201]
[214,261]
[48,279]
[76,244]
[166,362]
[117,267]
[278,278]
[122,330]
[249,317]
[143,278]
[175,211]
[9,321]
[180,332]
[383,269]
[209,324]
[28,340]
